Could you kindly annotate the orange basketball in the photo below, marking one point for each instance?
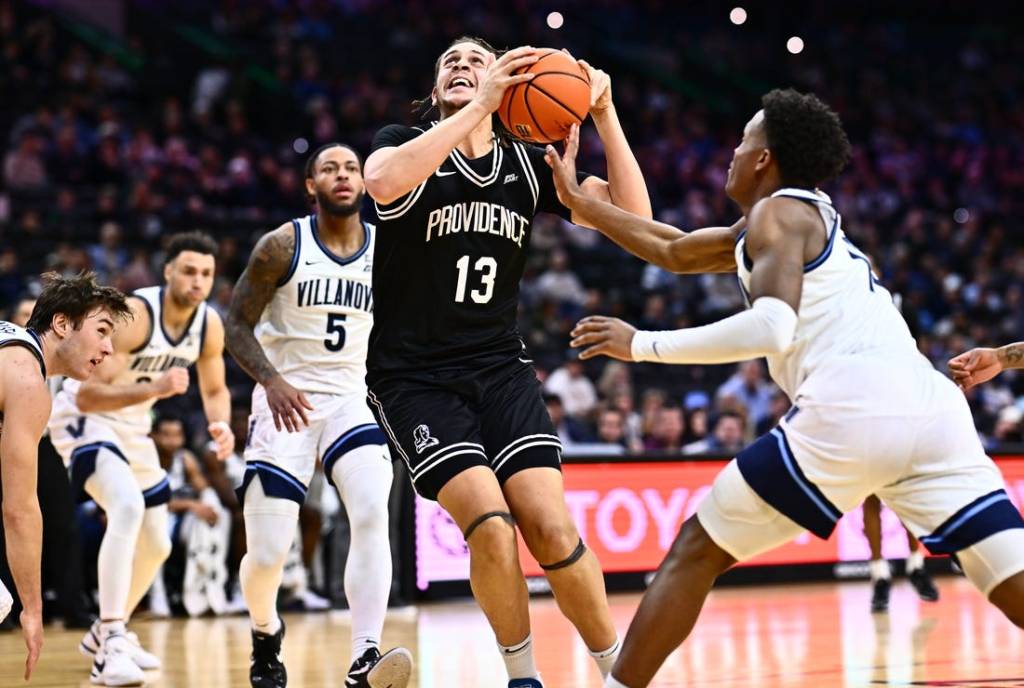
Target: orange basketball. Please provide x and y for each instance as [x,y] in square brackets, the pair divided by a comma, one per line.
[542,110]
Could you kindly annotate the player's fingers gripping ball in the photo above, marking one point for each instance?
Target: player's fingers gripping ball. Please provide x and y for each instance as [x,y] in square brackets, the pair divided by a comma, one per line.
[543,109]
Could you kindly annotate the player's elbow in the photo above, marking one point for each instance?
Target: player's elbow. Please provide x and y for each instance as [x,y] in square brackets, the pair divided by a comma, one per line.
[378,184]
[86,400]
[20,511]
[778,324]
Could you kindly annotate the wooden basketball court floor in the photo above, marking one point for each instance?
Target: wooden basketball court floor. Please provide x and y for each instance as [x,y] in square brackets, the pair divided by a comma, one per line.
[807,635]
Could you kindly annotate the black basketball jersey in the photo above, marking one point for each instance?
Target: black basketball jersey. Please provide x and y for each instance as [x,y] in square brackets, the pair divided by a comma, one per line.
[449,257]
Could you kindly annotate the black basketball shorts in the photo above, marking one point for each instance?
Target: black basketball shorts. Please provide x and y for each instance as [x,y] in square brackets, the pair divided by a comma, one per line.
[442,423]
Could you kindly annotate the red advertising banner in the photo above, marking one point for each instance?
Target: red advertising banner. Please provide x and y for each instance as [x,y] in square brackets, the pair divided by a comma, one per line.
[629,513]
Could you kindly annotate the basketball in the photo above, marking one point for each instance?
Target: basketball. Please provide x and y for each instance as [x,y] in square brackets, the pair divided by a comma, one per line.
[543,109]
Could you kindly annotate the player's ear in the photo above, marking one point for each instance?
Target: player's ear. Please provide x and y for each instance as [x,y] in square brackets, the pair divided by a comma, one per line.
[167,271]
[433,96]
[60,324]
[310,188]
[764,160]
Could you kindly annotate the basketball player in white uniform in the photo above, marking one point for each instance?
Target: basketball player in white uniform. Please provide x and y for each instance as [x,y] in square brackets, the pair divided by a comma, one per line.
[101,428]
[870,415]
[69,333]
[299,323]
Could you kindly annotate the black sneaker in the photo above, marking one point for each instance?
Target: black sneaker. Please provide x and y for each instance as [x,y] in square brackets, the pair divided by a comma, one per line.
[880,597]
[266,669]
[922,582]
[374,670]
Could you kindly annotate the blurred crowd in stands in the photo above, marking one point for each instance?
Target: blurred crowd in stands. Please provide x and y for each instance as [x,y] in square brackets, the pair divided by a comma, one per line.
[199,115]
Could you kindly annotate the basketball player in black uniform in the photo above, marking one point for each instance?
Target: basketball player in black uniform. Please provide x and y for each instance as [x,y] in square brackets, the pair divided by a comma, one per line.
[448,375]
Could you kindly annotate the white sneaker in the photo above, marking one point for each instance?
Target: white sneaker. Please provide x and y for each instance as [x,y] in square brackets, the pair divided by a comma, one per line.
[113,665]
[90,647]
[6,602]
[313,602]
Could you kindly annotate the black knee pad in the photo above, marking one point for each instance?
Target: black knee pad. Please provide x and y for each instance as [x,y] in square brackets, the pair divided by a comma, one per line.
[503,515]
[577,553]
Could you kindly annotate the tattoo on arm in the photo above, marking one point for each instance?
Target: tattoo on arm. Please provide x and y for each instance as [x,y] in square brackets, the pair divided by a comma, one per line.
[1013,355]
[268,263]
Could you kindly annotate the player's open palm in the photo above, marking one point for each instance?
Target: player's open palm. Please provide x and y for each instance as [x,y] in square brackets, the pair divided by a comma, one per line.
[598,335]
[172,383]
[32,631]
[563,167]
[499,76]
[287,404]
[975,367]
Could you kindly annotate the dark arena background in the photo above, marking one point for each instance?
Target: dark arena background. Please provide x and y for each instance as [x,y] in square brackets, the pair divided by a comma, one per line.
[126,121]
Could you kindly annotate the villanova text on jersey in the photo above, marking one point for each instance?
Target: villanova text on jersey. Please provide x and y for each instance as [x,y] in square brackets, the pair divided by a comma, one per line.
[334,291]
[159,364]
[477,216]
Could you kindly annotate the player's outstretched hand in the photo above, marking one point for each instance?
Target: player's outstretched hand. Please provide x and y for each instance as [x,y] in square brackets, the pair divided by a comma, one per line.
[223,438]
[287,404]
[499,76]
[172,383]
[600,88]
[32,631]
[598,335]
[563,168]
[975,367]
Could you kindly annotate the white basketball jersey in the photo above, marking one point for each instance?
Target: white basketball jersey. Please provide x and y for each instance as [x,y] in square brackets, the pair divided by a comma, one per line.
[13,335]
[844,309]
[159,353]
[316,327]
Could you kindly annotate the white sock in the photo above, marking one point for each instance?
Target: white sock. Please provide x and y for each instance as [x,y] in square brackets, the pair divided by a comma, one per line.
[363,478]
[879,569]
[266,520]
[519,659]
[151,551]
[610,682]
[606,658]
[111,627]
[114,488]
[915,561]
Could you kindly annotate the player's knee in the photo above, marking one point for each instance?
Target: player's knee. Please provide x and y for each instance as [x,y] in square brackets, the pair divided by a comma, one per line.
[1008,596]
[370,519]
[125,512]
[550,540]
[267,558]
[159,546]
[694,546]
[493,542]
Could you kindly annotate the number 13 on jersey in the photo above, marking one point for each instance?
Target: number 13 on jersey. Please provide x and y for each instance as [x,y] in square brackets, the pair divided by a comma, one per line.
[486,268]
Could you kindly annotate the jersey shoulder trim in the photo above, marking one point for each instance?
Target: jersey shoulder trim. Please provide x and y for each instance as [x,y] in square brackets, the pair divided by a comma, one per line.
[152,324]
[528,171]
[403,205]
[202,331]
[827,251]
[315,231]
[35,346]
[295,255]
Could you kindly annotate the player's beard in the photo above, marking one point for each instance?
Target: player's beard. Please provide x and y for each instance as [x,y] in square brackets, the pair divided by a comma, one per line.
[339,209]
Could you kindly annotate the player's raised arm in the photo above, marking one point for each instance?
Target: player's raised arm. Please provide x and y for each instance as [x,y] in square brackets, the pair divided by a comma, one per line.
[981,365]
[212,386]
[269,263]
[702,250]
[776,242]
[99,393]
[393,171]
[625,187]
[24,423]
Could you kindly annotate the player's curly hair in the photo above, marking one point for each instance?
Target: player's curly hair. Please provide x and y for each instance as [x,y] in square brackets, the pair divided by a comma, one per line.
[76,297]
[805,136]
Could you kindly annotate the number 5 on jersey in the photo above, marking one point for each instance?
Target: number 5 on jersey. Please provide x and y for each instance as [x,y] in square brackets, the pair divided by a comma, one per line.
[488,269]
[335,326]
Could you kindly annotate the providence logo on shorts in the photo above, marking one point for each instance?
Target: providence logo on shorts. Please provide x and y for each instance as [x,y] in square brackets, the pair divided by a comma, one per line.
[421,436]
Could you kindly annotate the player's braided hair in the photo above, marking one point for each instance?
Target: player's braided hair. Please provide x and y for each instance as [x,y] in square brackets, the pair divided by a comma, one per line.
[423,108]
[76,297]
[805,136]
